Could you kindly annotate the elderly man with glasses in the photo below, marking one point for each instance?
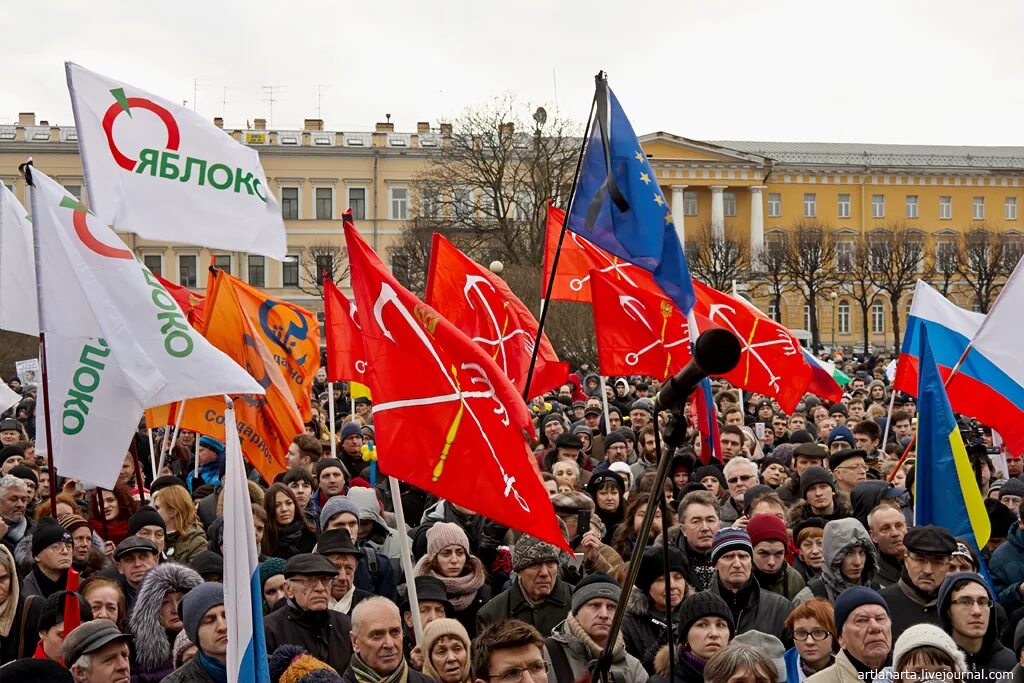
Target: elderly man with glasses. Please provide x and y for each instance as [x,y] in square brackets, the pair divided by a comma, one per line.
[741,475]
[913,599]
[849,468]
[306,620]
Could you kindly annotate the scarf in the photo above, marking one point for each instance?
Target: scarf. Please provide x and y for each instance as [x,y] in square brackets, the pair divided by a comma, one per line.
[217,671]
[115,530]
[461,589]
[40,653]
[584,647]
[693,660]
[288,536]
[15,532]
[364,674]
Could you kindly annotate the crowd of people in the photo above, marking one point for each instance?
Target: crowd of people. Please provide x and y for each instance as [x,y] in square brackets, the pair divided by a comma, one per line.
[787,554]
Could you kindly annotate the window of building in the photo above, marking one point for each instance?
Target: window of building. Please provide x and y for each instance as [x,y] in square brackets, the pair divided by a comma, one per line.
[878,317]
[430,203]
[357,202]
[945,208]
[945,253]
[773,312]
[463,197]
[689,203]
[1010,209]
[324,264]
[729,203]
[324,203]
[810,205]
[290,203]
[399,203]
[911,206]
[222,262]
[1012,250]
[844,256]
[775,204]
[187,270]
[844,318]
[807,317]
[290,271]
[844,206]
[257,271]
[878,206]
[75,191]
[155,263]
[978,209]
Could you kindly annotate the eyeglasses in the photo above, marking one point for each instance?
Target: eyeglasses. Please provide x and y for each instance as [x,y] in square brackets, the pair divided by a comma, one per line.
[314,581]
[736,480]
[815,634]
[855,468]
[971,602]
[537,670]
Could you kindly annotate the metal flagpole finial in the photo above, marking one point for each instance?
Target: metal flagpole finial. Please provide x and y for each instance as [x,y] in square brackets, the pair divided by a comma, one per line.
[25,169]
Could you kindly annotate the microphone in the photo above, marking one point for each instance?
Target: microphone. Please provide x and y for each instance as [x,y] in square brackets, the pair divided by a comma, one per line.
[717,351]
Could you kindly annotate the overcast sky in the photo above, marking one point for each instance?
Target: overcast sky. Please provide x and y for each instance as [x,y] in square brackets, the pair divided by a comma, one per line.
[941,71]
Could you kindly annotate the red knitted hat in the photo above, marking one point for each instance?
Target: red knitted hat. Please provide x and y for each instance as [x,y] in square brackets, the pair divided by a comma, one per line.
[765,527]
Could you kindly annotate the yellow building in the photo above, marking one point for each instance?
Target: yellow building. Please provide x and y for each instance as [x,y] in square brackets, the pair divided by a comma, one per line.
[752,190]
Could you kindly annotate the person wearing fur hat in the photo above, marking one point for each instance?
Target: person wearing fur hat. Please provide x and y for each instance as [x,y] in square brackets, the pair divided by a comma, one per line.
[865,638]
[967,613]
[448,558]
[849,560]
[537,595]
[204,622]
[769,538]
[706,627]
[446,645]
[924,650]
[645,623]
[752,607]
[155,621]
[584,634]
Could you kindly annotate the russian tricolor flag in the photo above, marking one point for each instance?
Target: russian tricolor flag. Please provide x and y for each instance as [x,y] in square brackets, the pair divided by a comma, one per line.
[987,386]
[247,643]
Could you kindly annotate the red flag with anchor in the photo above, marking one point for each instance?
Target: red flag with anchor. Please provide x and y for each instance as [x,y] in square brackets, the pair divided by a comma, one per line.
[480,303]
[639,329]
[771,361]
[346,357]
[578,258]
[437,390]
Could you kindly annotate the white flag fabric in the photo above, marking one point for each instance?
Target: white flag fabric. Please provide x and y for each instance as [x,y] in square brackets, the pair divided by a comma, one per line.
[164,172]
[998,337]
[18,309]
[243,596]
[116,341]
[8,397]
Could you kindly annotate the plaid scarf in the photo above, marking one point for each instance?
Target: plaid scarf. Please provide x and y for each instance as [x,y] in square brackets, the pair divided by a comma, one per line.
[364,674]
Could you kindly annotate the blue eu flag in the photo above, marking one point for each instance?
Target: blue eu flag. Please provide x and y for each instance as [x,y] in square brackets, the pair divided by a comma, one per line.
[619,206]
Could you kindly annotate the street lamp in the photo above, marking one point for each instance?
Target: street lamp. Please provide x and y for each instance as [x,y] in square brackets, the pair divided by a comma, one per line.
[834,296]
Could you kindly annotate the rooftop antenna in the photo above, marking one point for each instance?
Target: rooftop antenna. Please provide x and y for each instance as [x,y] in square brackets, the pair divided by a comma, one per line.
[269,90]
[195,92]
[554,81]
[319,98]
[224,102]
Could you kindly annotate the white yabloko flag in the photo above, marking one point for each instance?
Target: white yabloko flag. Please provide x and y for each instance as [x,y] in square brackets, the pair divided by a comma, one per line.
[164,172]
[116,341]
[18,310]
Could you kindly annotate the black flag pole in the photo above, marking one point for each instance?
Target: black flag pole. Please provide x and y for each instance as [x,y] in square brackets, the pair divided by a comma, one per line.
[546,301]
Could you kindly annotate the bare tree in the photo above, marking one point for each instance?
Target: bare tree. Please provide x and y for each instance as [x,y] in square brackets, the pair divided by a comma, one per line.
[945,266]
[317,259]
[810,266]
[982,264]
[853,272]
[895,262]
[718,260]
[14,347]
[769,271]
[492,177]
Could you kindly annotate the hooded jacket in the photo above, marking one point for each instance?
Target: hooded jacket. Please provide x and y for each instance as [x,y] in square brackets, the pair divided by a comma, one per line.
[153,643]
[383,538]
[801,510]
[993,658]
[865,497]
[840,536]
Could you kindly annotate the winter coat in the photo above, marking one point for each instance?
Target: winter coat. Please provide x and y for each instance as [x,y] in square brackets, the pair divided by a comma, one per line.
[349,676]
[579,649]
[889,570]
[801,510]
[908,606]
[193,672]
[699,570]
[788,583]
[382,538]
[805,570]
[152,647]
[685,672]
[36,583]
[993,659]
[755,609]
[1007,569]
[729,513]
[325,634]
[840,537]
[26,615]
[794,666]
[182,546]
[643,629]
[512,604]
[865,497]
[843,671]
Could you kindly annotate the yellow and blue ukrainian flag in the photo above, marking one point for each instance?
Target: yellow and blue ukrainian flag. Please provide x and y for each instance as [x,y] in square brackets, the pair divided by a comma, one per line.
[947,493]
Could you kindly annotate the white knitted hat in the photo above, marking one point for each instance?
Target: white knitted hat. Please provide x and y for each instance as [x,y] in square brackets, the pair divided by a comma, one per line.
[921,635]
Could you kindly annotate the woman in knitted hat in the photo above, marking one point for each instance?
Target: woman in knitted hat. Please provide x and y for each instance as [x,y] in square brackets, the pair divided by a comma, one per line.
[644,625]
[185,538]
[608,491]
[271,582]
[447,647]
[713,480]
[626,537]
[287,532]
[705,627]
[155,621]
[448,558]
[923,651]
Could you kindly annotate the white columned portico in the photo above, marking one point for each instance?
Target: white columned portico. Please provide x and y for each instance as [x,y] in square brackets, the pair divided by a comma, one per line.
[717,211]
[756,217]
[679,212]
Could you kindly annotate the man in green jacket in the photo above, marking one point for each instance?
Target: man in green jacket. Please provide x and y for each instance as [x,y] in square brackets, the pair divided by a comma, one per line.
[537,596]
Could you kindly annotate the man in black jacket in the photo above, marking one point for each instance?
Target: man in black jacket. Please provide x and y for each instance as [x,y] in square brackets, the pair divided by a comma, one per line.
[337,546]
[912,599]
[537,596]
[698,522]
[306,620]
[378,653]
